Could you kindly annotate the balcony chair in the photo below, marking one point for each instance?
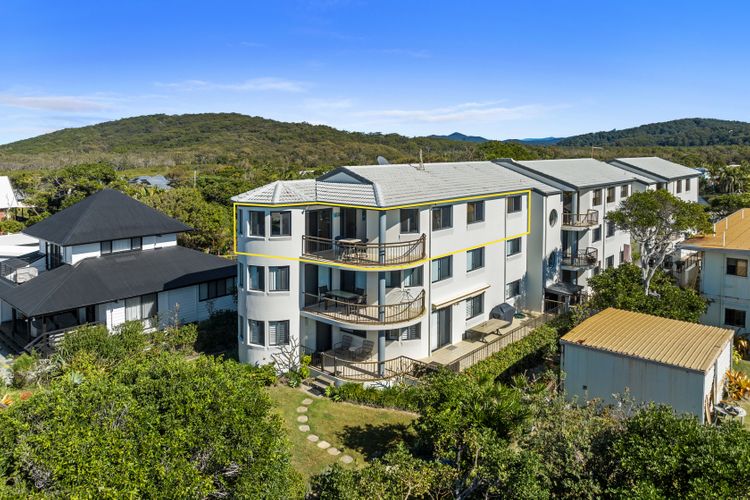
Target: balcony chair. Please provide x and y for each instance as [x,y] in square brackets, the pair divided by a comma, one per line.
[362,299]
[343,347]
[364,351]
[323,295]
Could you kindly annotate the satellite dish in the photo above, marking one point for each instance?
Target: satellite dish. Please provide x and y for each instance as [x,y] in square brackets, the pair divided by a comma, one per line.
[383,161]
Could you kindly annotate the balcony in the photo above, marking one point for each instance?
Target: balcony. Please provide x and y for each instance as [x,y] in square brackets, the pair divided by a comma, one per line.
[580,222]
[357,252]
[352,312]
[582,259]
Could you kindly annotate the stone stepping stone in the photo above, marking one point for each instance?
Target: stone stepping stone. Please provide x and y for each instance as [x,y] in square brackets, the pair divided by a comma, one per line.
[302,419]
[333,451]
[304,428]
[307,401]
[301,409]
[346,459]
[324,445]
[312,438]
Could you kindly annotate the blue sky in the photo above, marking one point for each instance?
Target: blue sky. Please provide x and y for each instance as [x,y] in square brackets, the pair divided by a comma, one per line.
[497,69]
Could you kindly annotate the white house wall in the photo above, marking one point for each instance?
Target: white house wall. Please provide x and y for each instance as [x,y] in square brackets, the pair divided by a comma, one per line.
[723,291]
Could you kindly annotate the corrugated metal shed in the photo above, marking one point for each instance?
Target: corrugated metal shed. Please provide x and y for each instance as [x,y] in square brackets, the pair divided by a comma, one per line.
[677,343]
[660,167]
[730,233]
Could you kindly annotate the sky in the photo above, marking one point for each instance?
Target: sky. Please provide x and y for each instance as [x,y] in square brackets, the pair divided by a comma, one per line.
[497,69]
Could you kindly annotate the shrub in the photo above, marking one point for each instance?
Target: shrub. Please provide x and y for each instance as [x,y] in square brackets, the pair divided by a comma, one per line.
[218,332]
[9,226]
[176,338]
[400,397]
[525,353]
[126,341]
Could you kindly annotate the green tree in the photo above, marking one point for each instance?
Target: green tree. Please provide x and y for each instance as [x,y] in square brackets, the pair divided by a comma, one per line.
[655,220]
[156,426]
[622,287]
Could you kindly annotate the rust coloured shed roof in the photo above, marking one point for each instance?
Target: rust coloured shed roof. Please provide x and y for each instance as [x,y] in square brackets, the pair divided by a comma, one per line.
[730,233]
[678,343]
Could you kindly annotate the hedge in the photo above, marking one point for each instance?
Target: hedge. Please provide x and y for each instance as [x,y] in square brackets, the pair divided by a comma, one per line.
[519,355]
[400,397]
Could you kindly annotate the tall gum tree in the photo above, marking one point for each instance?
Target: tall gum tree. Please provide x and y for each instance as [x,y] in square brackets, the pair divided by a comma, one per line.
[656,220]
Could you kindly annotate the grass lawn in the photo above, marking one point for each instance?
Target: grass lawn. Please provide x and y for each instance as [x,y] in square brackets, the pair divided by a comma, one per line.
[359,431]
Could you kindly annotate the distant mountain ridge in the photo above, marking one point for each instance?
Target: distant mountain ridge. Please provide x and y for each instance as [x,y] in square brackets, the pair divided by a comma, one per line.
[458,136]
[682,132]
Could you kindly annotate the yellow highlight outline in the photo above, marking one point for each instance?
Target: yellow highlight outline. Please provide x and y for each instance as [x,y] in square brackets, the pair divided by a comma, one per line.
[420,262]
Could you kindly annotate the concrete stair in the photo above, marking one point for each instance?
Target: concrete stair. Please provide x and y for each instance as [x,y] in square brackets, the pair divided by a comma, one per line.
[322,382]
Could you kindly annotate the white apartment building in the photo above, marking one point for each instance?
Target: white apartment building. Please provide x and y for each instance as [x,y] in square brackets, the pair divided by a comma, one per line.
[657,173]
[591,189]
[402,259]
[722,271]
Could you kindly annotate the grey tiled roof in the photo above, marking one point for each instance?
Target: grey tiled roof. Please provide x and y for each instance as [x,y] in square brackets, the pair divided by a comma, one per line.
[300,191]
[580,172]
[400,184]
[654,166]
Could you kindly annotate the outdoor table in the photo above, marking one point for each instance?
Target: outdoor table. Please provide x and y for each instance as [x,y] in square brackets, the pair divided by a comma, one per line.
[488,327]
[349,247]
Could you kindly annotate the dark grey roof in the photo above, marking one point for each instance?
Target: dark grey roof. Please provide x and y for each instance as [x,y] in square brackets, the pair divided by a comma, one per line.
[113,277]
[105,215]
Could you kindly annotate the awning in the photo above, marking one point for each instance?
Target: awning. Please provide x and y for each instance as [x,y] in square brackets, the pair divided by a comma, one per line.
[467,294]
[564,288]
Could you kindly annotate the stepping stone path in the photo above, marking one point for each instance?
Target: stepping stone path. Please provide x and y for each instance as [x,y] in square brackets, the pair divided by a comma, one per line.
[323,445]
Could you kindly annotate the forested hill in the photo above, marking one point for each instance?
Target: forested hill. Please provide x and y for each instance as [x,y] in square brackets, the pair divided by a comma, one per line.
[684,132]
[222,138]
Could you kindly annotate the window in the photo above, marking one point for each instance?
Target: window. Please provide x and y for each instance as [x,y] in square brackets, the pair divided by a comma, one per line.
[240,226]
[474,259]
[257,333]
[610,229]
[105,247]
[256,281]
[474,306]
[679,185]
[53,255]
[474,212]
[241,330]
[597,234]
[513,289]
[216,288]
[409,220]
[597,271]
[553,218]
[687,184]
[513,247]
[442,217]
[610,261]
[140,308]
[136,243]
[597,197]
[611,194]
[442,268]
[413,276]
[278,277]
[737,267]
[622,256]
[660,186]
[624,191]
[257,223]
[240,275]
[393,279]
[278,332]
[514,204]
[357,333]
[412,332]
[734,317]
[281,223]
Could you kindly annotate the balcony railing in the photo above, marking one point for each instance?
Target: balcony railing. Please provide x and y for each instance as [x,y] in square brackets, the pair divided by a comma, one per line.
[351,251]
[366,314]
[587,257]
[581,221]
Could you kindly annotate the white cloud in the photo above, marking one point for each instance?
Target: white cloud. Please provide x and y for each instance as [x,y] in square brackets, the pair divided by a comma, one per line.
[325,104]
[71,104]
[252,85]
[483,111]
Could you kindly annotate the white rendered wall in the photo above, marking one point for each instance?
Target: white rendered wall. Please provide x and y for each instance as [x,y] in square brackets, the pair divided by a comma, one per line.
[723,290]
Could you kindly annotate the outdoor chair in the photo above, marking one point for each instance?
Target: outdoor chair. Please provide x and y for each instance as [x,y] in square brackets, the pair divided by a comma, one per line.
[364,351]
[343,347]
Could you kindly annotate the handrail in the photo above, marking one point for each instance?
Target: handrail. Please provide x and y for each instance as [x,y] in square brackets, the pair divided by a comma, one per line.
[590,218]
[586,257]
[47,341]
[367,314]
[401,252]
[345,369]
